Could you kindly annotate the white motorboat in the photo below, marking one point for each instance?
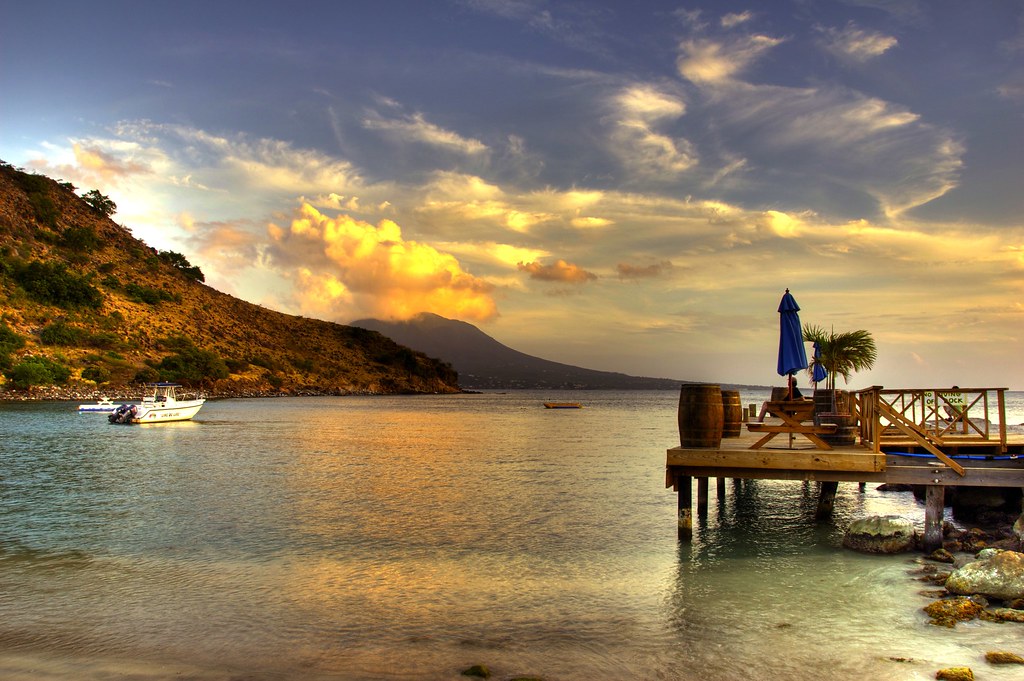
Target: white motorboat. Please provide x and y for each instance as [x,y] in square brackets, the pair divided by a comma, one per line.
[104,405]
[161,406]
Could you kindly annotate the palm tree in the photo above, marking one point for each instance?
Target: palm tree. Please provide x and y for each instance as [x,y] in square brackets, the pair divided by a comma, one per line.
[841,353]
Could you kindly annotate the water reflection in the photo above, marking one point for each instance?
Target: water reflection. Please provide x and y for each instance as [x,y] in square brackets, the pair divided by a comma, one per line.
[388,538]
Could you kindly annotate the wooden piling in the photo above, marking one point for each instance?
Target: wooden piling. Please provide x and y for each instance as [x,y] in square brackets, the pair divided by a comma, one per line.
[702,497]
[826,499]
[684,505]
[721,489]
[934,508]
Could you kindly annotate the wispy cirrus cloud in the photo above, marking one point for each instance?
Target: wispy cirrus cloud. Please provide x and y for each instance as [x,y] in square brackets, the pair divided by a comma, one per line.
[862,143]
[854,43]
[640,110]
[713,61]
[416,129]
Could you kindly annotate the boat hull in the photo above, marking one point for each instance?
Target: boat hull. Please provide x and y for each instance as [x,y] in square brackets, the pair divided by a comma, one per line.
[98,408]
[182,410]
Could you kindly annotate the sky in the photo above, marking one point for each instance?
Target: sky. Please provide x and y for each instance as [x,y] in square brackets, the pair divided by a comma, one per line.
[619,186]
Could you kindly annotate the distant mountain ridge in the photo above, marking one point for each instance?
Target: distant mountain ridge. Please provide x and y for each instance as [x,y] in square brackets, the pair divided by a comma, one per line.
[484,363]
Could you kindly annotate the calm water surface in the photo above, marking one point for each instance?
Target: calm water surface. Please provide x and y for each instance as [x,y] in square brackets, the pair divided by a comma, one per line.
[410,537]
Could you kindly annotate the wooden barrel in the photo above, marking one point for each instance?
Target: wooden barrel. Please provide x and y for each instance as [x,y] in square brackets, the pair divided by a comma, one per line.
[846,429]
[834,407]
[732,409]
[701,415]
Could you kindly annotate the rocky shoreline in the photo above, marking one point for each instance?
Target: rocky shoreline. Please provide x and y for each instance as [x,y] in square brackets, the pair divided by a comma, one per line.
[128,393]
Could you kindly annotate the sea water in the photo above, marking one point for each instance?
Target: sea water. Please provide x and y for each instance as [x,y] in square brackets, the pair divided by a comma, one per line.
[412,537]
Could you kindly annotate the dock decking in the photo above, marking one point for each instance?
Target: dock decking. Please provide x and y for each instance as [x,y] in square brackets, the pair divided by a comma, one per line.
[909,453]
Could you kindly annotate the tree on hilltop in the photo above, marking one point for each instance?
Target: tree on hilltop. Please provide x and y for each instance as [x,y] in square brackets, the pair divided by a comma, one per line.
[100,203]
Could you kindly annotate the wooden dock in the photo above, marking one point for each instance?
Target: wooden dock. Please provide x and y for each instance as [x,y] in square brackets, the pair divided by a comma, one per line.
[894,444]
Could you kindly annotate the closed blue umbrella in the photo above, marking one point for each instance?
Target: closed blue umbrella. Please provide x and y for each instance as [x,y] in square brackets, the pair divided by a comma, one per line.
[792,354]
[820,373]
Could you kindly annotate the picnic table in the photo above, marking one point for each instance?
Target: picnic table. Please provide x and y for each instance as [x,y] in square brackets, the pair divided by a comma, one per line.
[794,414]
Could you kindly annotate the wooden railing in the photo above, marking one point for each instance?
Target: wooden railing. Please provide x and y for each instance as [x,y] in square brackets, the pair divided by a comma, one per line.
[933,417]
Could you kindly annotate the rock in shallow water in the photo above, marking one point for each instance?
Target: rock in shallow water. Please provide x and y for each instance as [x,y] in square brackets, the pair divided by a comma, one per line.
[880,534]
[999,576]
[947,613]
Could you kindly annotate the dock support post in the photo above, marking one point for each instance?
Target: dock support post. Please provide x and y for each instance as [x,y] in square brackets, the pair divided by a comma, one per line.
[934,507]
[721,489]
[826,499]
[702,497]
[684,503]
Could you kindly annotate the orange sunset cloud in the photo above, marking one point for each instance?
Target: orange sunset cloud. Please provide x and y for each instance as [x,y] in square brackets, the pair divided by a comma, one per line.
[370,269]
[559,271]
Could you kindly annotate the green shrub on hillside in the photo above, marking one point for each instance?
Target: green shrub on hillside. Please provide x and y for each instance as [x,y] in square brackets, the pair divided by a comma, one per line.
[236,366]
[96,373]
[9,342]
[181,263]
[190,364]
[52,283]
[60,333]
[37,371]
[38,189]
[146,374]
[9,339]
[44,208]
[80,239]
[147,295]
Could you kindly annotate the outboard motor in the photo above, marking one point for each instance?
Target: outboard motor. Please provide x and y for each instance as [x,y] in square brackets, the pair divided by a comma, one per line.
[123,414]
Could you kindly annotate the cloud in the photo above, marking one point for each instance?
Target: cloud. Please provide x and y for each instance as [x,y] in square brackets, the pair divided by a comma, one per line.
[636,140]
[347,268]
[709,61]
[559,271]
[582,222]
[417,129]
[735,19]
[107,166]
[856,44]
[230,246]
[859,144]
[451,200]
[627,271]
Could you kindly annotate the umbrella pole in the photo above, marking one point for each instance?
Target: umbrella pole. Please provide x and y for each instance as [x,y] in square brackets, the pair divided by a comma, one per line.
[790,381]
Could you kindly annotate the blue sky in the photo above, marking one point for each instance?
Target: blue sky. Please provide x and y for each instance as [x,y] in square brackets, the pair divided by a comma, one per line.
[622,186]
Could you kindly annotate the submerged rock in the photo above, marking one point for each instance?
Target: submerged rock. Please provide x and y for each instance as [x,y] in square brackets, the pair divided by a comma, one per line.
[948,612]
[1003,658]
[1003,615]
[479,671]
[955,674]
[999,575]
[880,534]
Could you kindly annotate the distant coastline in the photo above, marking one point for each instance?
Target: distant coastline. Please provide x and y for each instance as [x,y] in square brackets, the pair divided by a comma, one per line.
[127,393]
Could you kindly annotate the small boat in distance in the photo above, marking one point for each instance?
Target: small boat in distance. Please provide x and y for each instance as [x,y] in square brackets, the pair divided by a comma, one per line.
[563,405]
[161,406]
[103,404]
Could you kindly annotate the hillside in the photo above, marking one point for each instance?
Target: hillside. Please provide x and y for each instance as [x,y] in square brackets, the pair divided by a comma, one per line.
[484,363]
[86,306]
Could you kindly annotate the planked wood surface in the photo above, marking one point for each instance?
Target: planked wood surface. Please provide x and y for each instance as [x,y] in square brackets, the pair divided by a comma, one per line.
[863,460]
